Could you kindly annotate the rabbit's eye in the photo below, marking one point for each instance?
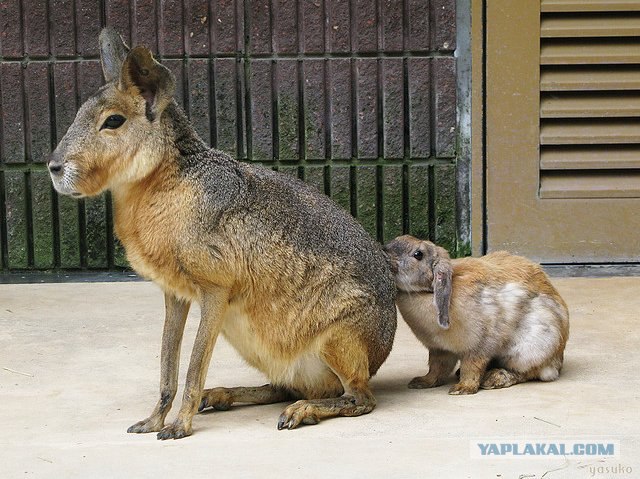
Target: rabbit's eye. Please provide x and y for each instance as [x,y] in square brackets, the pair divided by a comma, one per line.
[418,255]
[112,122]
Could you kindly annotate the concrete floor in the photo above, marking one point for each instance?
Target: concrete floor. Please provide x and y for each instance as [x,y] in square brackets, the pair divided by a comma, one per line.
[79,363]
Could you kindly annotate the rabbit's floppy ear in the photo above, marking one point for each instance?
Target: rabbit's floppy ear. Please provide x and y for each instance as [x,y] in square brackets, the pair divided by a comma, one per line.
[442,277]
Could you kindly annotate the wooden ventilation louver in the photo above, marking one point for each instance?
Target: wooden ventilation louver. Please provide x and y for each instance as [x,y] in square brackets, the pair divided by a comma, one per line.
[590,99]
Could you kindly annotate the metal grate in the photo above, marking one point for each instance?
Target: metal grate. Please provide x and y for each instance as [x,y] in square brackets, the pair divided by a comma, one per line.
[355,97]
[590,99]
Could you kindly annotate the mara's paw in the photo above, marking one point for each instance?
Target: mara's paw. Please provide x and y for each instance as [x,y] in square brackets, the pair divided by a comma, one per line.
[424,382]
[151,424]
[174,431]
[300,412]
[499,378]
[219,399]
[463,389]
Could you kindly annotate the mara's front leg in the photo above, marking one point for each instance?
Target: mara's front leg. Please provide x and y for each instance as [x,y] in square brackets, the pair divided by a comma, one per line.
[176,312]
[213,305]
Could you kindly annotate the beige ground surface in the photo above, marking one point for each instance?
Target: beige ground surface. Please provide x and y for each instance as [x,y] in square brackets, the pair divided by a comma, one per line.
[79,363]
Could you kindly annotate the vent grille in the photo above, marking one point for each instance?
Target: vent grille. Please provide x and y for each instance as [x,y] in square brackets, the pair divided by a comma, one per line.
[590,99]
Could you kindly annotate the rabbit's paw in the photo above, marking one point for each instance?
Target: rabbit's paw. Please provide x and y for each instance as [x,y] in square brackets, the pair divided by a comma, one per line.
[499,378]
[425,382]
[463,388]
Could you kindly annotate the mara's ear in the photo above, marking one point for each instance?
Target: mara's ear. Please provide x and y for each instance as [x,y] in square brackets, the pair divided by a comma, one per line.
[442,278]
[153,81]
[113,51]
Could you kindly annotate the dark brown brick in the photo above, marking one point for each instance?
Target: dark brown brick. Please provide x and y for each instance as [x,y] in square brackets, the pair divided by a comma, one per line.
[144,25]
[16,219]
[367,108]
[38,114]
[341,186]
[171,36]
[69,232]
[419,201]
[261,111]
[392,206]
[445,201]
[367,194]
[366,20]
[227,27]
[419,70]
[199,111]
[393,108]
[289,170]
[226,115]
[285,26]
[444,89]
[444,34]
[63,35]
[118,16]
[41,212]
[341,110]
[64,81]
[312,26]
[177,68]
[314,176]
[338,25]
[418,22]
[391,17]
[12,118]
[11,45]
[242,97]
[87,26]
[197,26]
[315,128]
[96,232]
[36,26]
[90,78]
[259,26]
[288,110]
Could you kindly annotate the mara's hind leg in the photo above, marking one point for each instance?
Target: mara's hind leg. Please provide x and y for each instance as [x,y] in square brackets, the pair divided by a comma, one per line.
[221,399]
[346,355]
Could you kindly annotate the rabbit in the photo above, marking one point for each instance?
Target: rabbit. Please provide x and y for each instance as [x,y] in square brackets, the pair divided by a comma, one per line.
[293,282]
[499,315]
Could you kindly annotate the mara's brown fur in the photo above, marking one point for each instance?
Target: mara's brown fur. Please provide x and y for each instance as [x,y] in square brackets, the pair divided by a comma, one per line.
[291,280]
[499,311]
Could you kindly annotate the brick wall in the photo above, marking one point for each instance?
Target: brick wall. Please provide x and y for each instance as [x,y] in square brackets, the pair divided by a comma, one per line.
[357,97]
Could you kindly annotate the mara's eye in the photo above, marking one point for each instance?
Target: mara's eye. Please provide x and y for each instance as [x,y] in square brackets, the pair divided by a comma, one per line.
[418,255]
[113,121]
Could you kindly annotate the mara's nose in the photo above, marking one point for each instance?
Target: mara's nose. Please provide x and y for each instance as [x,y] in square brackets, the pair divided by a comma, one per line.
[55,165]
